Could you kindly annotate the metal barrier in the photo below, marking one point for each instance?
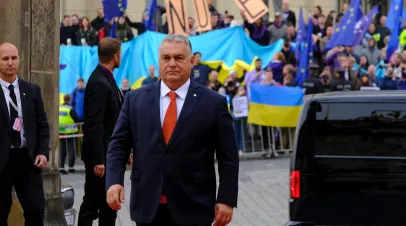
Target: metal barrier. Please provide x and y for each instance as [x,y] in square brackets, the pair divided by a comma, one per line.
[253,140]
[268,142]
[69,140]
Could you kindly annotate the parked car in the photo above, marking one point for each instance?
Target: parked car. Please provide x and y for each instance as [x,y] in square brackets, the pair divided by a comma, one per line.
[348,165]
[68,195]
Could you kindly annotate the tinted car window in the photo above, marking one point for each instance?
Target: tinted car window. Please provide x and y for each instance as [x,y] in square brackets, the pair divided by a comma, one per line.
[360,129]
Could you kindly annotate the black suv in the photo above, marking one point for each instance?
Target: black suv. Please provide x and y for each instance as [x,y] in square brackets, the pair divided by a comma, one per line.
[348,165]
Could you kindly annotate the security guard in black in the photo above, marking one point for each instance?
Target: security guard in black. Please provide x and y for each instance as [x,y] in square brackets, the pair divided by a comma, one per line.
[313,85]
[340,83]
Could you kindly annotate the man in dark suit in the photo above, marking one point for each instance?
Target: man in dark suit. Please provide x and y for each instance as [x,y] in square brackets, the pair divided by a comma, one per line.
[102,104]
[175,126]
[24,140]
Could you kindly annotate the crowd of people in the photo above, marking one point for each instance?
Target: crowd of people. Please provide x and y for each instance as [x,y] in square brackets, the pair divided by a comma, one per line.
[340,68]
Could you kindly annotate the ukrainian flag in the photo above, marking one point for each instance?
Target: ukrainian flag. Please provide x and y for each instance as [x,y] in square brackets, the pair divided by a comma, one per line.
[274,106]
[231,48]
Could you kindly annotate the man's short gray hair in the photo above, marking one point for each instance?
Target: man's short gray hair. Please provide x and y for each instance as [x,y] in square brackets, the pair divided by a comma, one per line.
[178,39]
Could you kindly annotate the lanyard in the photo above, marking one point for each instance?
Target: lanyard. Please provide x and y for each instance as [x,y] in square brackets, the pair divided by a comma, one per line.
[12,103]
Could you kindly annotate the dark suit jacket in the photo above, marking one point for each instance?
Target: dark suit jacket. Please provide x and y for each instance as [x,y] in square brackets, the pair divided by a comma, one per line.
[102,105]
[184,167]
[36,127]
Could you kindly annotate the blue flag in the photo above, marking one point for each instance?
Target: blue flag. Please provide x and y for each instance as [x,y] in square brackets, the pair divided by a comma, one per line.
[361,27]
[343,35]
[394,22]
[359,13]
[113,29]
[307,55]
[150,20]
[301,35]
[113,8]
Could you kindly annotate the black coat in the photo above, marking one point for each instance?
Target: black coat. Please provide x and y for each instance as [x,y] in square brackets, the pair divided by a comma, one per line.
[102,104]
[36,127]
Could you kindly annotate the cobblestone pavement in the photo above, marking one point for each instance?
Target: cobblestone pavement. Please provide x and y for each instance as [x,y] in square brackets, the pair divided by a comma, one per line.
[263,193]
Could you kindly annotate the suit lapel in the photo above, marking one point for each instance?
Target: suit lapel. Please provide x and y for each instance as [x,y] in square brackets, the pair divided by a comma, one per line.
[155,99]
[24,89]
[3,105]
[192,97]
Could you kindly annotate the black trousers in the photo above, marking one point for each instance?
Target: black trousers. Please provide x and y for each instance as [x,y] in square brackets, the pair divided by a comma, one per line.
[94,203]
[26,178]
[67,148]
[163,218]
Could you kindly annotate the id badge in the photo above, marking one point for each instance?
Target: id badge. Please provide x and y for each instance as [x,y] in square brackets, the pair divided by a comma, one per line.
[17,124]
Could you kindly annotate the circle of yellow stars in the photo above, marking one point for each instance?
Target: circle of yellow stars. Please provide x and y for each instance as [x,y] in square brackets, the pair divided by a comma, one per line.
[120,6]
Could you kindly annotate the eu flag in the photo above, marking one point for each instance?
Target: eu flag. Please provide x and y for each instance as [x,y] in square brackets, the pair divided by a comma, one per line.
[307,55]
[394,22]
[344,32]
[361,27]
[301,35]
[113,29]
[114,8]
[150,20]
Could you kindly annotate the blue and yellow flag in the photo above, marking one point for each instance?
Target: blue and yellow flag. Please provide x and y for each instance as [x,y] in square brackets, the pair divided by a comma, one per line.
[275,106]
[143,51]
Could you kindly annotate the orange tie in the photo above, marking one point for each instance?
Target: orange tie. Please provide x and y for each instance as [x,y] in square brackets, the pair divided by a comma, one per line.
[170,117]
[169,126]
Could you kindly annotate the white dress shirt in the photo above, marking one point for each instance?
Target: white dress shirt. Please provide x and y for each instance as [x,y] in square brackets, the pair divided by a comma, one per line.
[6,91]
[165,100]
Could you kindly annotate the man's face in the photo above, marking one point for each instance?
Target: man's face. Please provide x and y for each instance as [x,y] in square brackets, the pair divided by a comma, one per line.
[197,58]
[125,83]
[214,20]
[74,20]
[100,13]
[191,22]
[175,62]
[151,70]
[382,20]
[81,84]
[291,31]
[278,19]
[9,60]
[371,71]
[66,21]
[258,64]
[213,76]
[371,42]
[329,31]
[285,6]
[117,60]
[345,7]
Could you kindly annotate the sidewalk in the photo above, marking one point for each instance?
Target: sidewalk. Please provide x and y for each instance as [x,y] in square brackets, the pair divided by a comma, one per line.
[80,165]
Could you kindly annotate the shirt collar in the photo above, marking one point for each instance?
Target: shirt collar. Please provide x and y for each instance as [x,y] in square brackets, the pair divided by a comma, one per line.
[6,84]
[107,71]
[181,92]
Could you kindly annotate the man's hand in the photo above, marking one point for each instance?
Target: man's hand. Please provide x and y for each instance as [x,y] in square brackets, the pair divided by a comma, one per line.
[99,170]
[130,160]
[223,214]
[41,161]
[115,196]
